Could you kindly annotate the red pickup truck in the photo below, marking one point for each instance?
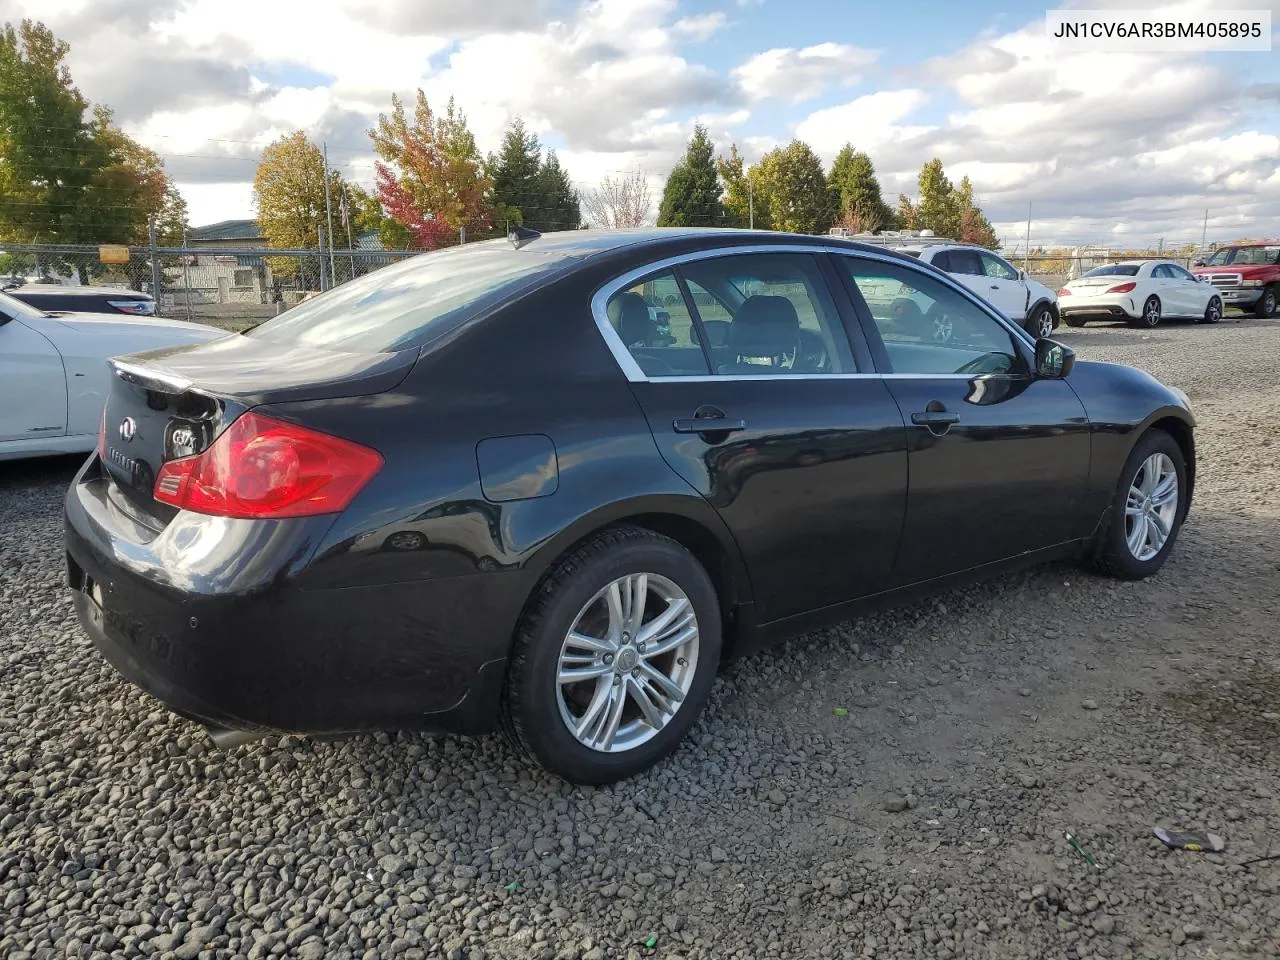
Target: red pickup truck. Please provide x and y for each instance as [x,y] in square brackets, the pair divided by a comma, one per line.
[1247,274]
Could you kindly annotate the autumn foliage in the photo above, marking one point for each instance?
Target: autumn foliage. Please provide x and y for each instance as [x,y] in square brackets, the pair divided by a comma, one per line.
[429,175]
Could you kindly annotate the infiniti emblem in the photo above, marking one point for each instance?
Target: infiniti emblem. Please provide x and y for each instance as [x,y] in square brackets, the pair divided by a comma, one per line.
[127,429]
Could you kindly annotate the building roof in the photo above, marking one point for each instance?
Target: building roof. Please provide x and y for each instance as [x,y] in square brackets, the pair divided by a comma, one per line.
[227,230]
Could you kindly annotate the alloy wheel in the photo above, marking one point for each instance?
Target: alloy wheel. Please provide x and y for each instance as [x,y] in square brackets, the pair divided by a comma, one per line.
[1214,311]
[1044,323]
[1151,312]
[1151,507]
[627,662]
[942,328]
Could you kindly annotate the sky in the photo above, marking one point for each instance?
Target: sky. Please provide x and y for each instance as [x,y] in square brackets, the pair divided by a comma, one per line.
[1099,148]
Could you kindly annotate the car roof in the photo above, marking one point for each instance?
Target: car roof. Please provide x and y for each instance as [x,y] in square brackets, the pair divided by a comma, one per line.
[78,291]
[585,243]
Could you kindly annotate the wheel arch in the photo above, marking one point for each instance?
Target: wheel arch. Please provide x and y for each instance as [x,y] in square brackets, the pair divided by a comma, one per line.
[690,521]
[1183,433]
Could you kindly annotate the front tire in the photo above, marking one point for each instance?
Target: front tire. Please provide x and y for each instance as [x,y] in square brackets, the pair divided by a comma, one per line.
[1147,512]
[1266,308]
[1041,323]
[1213,312]
[614,658]
[1150,317]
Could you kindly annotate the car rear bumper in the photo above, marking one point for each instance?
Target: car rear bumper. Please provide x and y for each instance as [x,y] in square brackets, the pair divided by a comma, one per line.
[208,616]
[1098,309]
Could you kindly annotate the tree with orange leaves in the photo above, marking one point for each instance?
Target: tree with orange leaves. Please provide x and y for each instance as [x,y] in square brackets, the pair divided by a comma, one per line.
[429,175]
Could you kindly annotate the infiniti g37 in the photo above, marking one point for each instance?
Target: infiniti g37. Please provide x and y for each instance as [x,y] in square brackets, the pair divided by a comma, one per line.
[484,488]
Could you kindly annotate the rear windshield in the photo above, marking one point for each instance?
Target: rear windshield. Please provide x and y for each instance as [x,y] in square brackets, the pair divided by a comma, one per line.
[1115,270]
[411,302]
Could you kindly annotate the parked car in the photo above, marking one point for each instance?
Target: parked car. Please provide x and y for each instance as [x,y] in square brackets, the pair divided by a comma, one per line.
[1140,292]
[990,276]
[54,376]
[474,489]
[1247,275]
[52,298]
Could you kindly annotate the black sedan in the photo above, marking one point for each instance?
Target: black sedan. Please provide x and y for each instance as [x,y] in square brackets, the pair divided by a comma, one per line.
[54,298]
[482,488]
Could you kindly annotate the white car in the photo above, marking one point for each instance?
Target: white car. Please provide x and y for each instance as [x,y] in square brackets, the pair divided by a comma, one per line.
[1024,300]
[1140,292]
[54,376]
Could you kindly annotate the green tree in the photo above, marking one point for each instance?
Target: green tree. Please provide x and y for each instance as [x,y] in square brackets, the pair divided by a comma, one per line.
[736,198]
[561,207]
[514,171]
[937,207]
[859,202]
[363,210]
[67,173]
[289,193]
[795,188]
[691,197]
[907,216]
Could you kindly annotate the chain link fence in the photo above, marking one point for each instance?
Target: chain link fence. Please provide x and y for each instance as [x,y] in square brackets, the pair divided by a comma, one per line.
[238,286]
[228,286]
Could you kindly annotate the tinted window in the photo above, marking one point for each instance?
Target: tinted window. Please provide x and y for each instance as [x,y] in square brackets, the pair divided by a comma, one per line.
[653,322]
[412,301]
[1182,274]
[995,267]
[1242,256]
[942,261]
[966,262]
[771,314]
[1114,270]
[1162,272]
[929,328]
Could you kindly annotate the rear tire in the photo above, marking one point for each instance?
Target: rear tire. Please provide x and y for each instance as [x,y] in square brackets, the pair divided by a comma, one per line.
[589,594]
[1150,317]
[1071,321]
[1121,549]
[1266,308]
[1041,322]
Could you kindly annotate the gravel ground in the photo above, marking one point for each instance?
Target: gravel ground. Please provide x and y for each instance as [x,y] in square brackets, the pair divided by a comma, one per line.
[896,787]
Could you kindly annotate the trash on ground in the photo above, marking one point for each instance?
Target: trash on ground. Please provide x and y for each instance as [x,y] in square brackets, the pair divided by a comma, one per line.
[513,887]
[1193,840]
[840,712]
[1075,845]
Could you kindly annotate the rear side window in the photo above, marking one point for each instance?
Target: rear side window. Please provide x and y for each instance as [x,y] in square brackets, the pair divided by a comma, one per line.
[966,262]
[414,301]
[654,324]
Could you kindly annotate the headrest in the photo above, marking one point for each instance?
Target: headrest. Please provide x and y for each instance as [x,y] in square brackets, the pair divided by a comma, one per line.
[764,327]
[630,313]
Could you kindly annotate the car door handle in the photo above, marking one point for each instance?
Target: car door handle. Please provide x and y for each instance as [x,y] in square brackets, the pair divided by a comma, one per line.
[935,418]
[708,425]
[995,286]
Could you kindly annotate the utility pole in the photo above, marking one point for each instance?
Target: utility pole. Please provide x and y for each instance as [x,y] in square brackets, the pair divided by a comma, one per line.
[328,204]
[186,270]
[155,262]
[1026,257]
[751,205]
[351,244]
[1204,231]
[320,250]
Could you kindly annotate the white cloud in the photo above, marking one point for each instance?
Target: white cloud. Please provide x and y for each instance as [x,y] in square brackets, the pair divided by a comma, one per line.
[786,73]
[870,122]
[700,27]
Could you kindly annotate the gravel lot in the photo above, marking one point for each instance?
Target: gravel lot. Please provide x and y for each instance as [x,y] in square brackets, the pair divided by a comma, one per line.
[897,787]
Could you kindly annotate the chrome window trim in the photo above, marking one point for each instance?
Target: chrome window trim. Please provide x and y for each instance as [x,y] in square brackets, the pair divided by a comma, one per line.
[633,373]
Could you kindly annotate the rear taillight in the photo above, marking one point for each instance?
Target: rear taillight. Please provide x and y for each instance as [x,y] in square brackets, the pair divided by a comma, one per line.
[260,467]
[1064,292]
[1122,287]
[139,308]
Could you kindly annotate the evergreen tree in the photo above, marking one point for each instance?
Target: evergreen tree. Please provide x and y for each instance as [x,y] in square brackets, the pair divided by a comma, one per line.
[795,189]
[514,171]
[691,197]
[558,200]
[736,192]
[857,192]
[937,208]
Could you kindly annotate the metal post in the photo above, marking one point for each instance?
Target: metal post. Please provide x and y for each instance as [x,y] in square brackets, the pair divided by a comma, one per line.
[751,205]
[155,261]
[320,251]
[328,205]
[462,234]
[351,244]
[1026,257]
[186,271]
[1204,231]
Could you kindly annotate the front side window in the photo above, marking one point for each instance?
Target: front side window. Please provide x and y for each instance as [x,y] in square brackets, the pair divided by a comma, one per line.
[929,328]
[1181,274]
[993,266]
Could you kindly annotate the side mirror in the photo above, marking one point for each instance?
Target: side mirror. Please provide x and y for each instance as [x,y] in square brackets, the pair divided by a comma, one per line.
[1198,263]
[1053,360]
[1022,275]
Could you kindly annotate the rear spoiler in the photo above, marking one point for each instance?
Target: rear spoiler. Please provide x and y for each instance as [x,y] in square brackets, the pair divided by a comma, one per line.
[149,379]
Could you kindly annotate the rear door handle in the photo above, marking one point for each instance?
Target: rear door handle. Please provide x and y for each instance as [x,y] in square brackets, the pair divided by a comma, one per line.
[995,286]
[709,425]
